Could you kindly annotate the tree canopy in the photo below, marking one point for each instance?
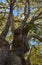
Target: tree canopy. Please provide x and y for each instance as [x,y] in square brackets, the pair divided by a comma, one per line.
[21,26]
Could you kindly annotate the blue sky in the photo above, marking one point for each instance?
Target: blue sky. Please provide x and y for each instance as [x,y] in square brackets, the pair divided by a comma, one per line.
[3,1]
[33,43]
[16,12]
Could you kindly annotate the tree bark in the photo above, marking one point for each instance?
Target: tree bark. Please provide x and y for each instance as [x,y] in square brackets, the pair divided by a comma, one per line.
[20,45]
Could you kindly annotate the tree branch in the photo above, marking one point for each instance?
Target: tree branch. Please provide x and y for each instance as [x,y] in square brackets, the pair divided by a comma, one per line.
[26,11]
[5,31]
[4,7]
[31,23]
[35,36]
[40,17]
[34,18]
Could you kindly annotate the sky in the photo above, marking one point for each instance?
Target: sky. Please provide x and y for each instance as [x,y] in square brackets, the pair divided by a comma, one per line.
[3,1]
[33,42]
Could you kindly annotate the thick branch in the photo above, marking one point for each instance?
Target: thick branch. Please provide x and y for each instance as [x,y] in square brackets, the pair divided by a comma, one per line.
[26,28]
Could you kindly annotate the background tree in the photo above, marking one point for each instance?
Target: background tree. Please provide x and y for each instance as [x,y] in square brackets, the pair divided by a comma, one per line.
[24,22]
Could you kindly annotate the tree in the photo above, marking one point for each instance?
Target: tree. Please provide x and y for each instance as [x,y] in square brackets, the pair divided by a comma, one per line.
[4,51]
[28,25]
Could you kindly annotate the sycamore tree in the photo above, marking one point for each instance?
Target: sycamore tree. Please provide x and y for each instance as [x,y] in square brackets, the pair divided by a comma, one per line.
[20,21]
